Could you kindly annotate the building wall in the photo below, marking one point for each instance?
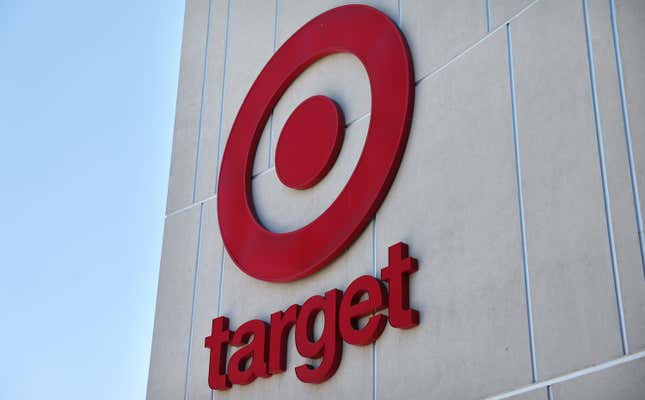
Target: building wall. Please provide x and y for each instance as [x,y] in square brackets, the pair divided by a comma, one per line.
[517,193]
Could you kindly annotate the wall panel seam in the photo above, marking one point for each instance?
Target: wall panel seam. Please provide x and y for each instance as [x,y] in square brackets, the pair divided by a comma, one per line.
[603,176]
[275,45]
[201,101]
[520,200]
[220,286]
[442,67]
[477,43]
[628,133]
[348,124]
[221,102]
[188,207]
[572,375]
[417,82]
[194,300]
[374,272]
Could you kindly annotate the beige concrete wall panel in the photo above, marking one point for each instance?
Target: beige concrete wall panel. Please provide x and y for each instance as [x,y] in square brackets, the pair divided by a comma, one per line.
[250,46]
[207,163]
[438,30]
[189,94]
[538,394]
[455,203]
[630,18]
[206,302]
[630,23]
[624,382]
[502,10]
[574,301]
[625,228]
[170,340]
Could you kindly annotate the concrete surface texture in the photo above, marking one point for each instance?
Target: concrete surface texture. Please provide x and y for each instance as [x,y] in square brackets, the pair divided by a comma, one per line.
[518,193]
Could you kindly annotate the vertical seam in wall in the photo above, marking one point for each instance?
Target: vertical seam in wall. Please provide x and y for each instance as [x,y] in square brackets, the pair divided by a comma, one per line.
[192,310]
[220,286]
[399,9]
[374,274]
[275,45]
[487,15]
[603,176]
[520,197]
[221,101]
[201,101]
[628,133]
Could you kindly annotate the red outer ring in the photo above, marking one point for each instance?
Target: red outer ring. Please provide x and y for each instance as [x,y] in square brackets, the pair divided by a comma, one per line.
[281,257]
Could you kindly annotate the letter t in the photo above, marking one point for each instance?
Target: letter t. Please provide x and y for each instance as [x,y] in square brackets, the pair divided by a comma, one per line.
[217,342]
[397,274]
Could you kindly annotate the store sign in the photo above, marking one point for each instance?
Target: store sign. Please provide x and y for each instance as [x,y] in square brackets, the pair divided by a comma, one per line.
[263,346]
[306,151]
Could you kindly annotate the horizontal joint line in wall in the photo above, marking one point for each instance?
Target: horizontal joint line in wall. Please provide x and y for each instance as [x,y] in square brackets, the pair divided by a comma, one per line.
[572,375]
[417,82]
[188,207]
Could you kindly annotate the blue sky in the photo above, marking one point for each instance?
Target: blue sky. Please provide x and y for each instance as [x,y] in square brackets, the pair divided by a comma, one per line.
[86,114]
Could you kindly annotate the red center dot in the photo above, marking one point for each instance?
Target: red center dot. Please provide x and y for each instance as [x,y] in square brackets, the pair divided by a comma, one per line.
[309,143]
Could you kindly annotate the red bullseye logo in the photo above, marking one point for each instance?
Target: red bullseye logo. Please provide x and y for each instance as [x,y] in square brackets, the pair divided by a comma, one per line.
[310,142]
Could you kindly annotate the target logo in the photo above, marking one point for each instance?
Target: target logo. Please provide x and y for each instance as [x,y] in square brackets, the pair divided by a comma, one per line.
[306,150]
[310,142]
